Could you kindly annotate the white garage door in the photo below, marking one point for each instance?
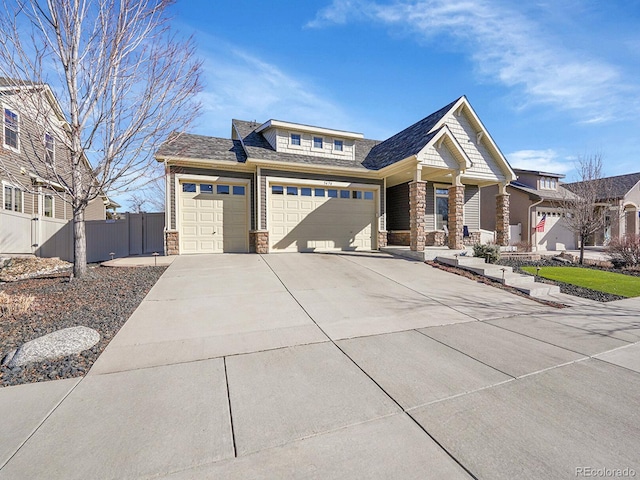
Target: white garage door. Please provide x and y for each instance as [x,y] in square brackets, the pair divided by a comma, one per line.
[556,235]
[307,218]
[213,218]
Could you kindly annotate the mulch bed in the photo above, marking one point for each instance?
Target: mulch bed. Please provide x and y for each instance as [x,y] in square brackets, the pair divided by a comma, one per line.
[103,300]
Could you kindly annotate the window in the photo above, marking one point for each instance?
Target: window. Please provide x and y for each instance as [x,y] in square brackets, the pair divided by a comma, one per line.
[337,145]
[13,198]
[319,192]
[332,193]
[10,129]
[49,150]
[292,190]
[189,187]
[548,183]
[368,195]
[206,188]
[222,189]
[48,205]
[295,139]
[238,190]
[357,194]
[442,208]
[305,192]
[317,142]
[344,194]
[277,190]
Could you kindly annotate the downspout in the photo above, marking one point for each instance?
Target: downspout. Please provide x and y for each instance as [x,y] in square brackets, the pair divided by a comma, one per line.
[529,224]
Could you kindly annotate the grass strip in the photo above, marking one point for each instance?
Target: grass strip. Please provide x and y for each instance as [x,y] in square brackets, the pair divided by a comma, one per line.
[599,280]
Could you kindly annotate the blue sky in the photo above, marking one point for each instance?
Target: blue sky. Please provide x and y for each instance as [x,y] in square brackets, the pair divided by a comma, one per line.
[550,80]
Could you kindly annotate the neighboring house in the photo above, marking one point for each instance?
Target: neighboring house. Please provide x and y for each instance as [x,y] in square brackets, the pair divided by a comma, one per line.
[533,196]
[282,186]
[31,148]
[620,196]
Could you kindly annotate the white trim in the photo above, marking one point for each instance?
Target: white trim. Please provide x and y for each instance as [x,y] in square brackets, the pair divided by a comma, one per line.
[13,187]
[53,148]
[257,192]
[4,136]
[308,128]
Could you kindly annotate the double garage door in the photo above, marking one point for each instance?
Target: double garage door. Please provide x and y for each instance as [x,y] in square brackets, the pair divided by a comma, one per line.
[213,217]
[323,218]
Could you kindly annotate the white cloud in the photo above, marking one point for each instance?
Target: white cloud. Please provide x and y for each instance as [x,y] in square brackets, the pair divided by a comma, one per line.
[240,85]
[541,161]
[507,47]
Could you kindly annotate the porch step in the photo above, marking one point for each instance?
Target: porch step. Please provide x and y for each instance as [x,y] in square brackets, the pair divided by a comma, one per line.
[524,283]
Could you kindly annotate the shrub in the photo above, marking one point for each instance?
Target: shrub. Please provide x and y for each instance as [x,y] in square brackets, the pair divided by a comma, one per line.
[624,252]
[490,252]
[14,304]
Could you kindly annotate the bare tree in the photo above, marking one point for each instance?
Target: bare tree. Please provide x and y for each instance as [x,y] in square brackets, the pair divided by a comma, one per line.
[586,206]
[124,81]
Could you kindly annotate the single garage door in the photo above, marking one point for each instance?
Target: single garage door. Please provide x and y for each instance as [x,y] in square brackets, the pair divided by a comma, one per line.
[556,234]
[307,218]
[213,218]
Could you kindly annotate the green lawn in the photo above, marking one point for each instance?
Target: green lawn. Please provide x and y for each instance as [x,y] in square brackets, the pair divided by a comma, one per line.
[608,282]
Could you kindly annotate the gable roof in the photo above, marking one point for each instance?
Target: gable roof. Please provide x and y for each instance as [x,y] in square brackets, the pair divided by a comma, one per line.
[610,187]
[407,142]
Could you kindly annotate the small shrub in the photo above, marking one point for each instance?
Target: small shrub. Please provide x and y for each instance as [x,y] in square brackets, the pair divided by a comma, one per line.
[624,252]
[490,252]
[14,304]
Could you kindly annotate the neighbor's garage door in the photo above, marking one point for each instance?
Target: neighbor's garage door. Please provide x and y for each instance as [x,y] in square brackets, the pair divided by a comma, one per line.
[213,218]
[556,235]
[306,218]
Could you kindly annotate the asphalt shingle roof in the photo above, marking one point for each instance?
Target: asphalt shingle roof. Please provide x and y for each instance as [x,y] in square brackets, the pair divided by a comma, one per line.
[369,154]
[611,187]
[560,194]
[407,142]
[186,145]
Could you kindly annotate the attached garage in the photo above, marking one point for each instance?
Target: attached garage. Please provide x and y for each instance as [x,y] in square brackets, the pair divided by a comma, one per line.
[321,217]
[213,216]
[556,234]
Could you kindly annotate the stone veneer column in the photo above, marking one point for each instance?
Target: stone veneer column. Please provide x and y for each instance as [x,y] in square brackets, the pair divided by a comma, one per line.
[172,243]
[502,219]
[382,239]
[260,240]
[456,217]
[417,210]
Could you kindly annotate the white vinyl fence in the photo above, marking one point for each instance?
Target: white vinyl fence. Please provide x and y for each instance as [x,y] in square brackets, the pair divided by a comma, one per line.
[135,234]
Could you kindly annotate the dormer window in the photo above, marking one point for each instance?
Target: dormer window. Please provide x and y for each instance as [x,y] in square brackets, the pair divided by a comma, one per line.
[317,142]
[295,139]
[548,183]
[338,145]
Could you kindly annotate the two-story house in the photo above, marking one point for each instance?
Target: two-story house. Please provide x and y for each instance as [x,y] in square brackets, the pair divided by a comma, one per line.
[534,196]
[280,186]
[34,168]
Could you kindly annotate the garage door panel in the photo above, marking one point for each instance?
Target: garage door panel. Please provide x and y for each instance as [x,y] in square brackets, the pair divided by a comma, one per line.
[321,223]
[213,223]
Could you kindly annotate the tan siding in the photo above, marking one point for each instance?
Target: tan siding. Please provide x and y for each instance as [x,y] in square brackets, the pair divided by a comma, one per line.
[472,207]
[95,210]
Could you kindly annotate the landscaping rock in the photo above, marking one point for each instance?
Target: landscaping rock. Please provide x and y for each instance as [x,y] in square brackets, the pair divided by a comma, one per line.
[68,341]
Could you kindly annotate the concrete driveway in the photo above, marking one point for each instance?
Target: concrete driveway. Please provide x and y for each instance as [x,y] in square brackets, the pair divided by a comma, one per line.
[338,366]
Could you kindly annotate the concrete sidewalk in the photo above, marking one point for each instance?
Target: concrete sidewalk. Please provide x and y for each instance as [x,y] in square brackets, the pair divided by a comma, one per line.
[337,366]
